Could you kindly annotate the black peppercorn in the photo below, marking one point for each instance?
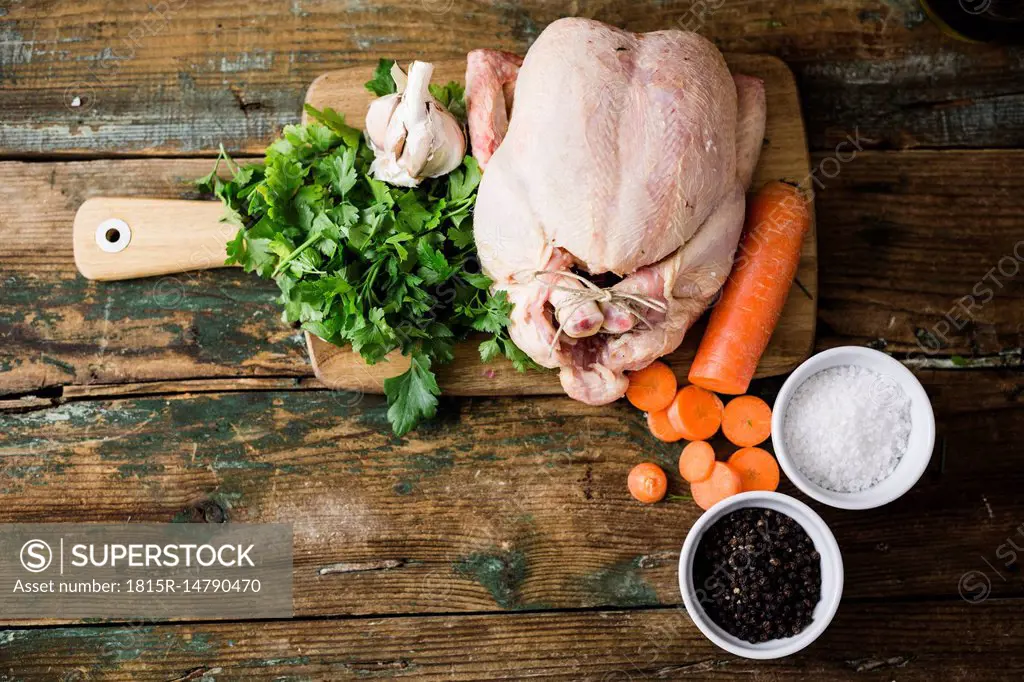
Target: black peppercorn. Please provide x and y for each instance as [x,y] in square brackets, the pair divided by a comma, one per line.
[757,575]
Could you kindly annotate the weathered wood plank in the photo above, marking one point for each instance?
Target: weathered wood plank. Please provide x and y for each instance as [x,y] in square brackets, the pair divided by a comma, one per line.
[904,236]
[921,252]
[150,388]
[181,77]
[58,328]
[919,641]
[918,99]
[500,504]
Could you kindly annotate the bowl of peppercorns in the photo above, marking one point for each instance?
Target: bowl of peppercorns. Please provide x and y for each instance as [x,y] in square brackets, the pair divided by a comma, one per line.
[761,575]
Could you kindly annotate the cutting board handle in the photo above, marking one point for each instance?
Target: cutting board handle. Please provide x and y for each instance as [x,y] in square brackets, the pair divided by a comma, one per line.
[125,238]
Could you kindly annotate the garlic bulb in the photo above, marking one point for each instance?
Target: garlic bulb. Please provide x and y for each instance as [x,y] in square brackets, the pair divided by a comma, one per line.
[412,136]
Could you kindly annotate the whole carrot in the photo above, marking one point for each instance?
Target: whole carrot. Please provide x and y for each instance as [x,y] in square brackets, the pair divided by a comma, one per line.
[752,299]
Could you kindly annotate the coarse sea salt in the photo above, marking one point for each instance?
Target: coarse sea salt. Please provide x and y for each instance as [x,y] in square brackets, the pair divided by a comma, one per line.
[847,427]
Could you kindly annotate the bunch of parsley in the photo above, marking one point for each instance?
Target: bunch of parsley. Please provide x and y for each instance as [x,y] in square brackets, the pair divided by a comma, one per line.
[363,263]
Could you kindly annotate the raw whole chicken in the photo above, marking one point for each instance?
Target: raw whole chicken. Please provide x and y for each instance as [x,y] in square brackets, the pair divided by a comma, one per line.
[612,206]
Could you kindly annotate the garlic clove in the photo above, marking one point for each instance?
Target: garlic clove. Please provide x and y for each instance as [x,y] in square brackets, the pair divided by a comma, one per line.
[446,154]
[378,117]
[398,76]
[419,144]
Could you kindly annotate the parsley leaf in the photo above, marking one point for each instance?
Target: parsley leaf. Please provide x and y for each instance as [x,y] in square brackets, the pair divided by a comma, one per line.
[452,97]
[336,123]
[493,317]
[412,216]
[412,395]
[462,182]
[490,349]
[382,83]
[434,267]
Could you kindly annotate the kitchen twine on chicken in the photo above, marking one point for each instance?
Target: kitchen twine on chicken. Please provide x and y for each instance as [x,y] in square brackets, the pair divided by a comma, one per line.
[625,301]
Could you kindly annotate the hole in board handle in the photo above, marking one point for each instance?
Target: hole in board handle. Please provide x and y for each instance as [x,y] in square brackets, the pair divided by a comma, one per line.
[113,235]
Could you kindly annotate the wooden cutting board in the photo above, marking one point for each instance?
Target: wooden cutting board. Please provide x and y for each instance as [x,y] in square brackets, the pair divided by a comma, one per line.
[784,157]
[123,238]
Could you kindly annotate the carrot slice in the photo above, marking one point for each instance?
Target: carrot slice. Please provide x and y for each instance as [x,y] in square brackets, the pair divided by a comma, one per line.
[661,428]
[652,388]
[723,483]
[756,468]
[747,421]
[695,413]
[752,298]
[697,461]
[647,483]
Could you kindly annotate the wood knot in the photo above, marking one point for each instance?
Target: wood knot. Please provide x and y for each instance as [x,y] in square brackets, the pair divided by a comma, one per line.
[203,511]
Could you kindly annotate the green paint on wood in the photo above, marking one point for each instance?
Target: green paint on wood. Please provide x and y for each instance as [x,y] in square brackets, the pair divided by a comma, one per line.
[225,499]
[221,318]
[373,415]
[140,470]
[196,643]
[431,465]
[77,415]
[500,572]
[620,585]
[488,457]
[422,466]
[29,471]
[65,367]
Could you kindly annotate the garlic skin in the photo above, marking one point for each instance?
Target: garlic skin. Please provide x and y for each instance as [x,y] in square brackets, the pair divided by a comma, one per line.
[412,136]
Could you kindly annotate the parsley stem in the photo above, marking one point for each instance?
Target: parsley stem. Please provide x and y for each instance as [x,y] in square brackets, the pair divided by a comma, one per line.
[232,166]
[294,254]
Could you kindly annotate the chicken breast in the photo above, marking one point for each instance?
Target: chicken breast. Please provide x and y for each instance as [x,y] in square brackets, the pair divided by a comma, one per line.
[626,158]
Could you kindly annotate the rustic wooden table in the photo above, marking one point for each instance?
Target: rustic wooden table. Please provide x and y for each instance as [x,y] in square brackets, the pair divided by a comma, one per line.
[499,541]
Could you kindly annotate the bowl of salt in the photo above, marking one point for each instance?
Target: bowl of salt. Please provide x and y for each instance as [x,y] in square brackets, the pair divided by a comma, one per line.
[853,428]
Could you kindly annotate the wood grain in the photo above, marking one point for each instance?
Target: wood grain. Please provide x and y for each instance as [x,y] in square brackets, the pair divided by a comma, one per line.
[163,237]
[58,328]
[922,253]
[186,76]
[905,236]
[500,504]
[866,641]
[956,95]
[783,157]
[225,385]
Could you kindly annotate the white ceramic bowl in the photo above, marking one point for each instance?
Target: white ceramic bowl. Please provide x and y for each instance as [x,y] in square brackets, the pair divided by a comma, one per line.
[831,574]
[922,428]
